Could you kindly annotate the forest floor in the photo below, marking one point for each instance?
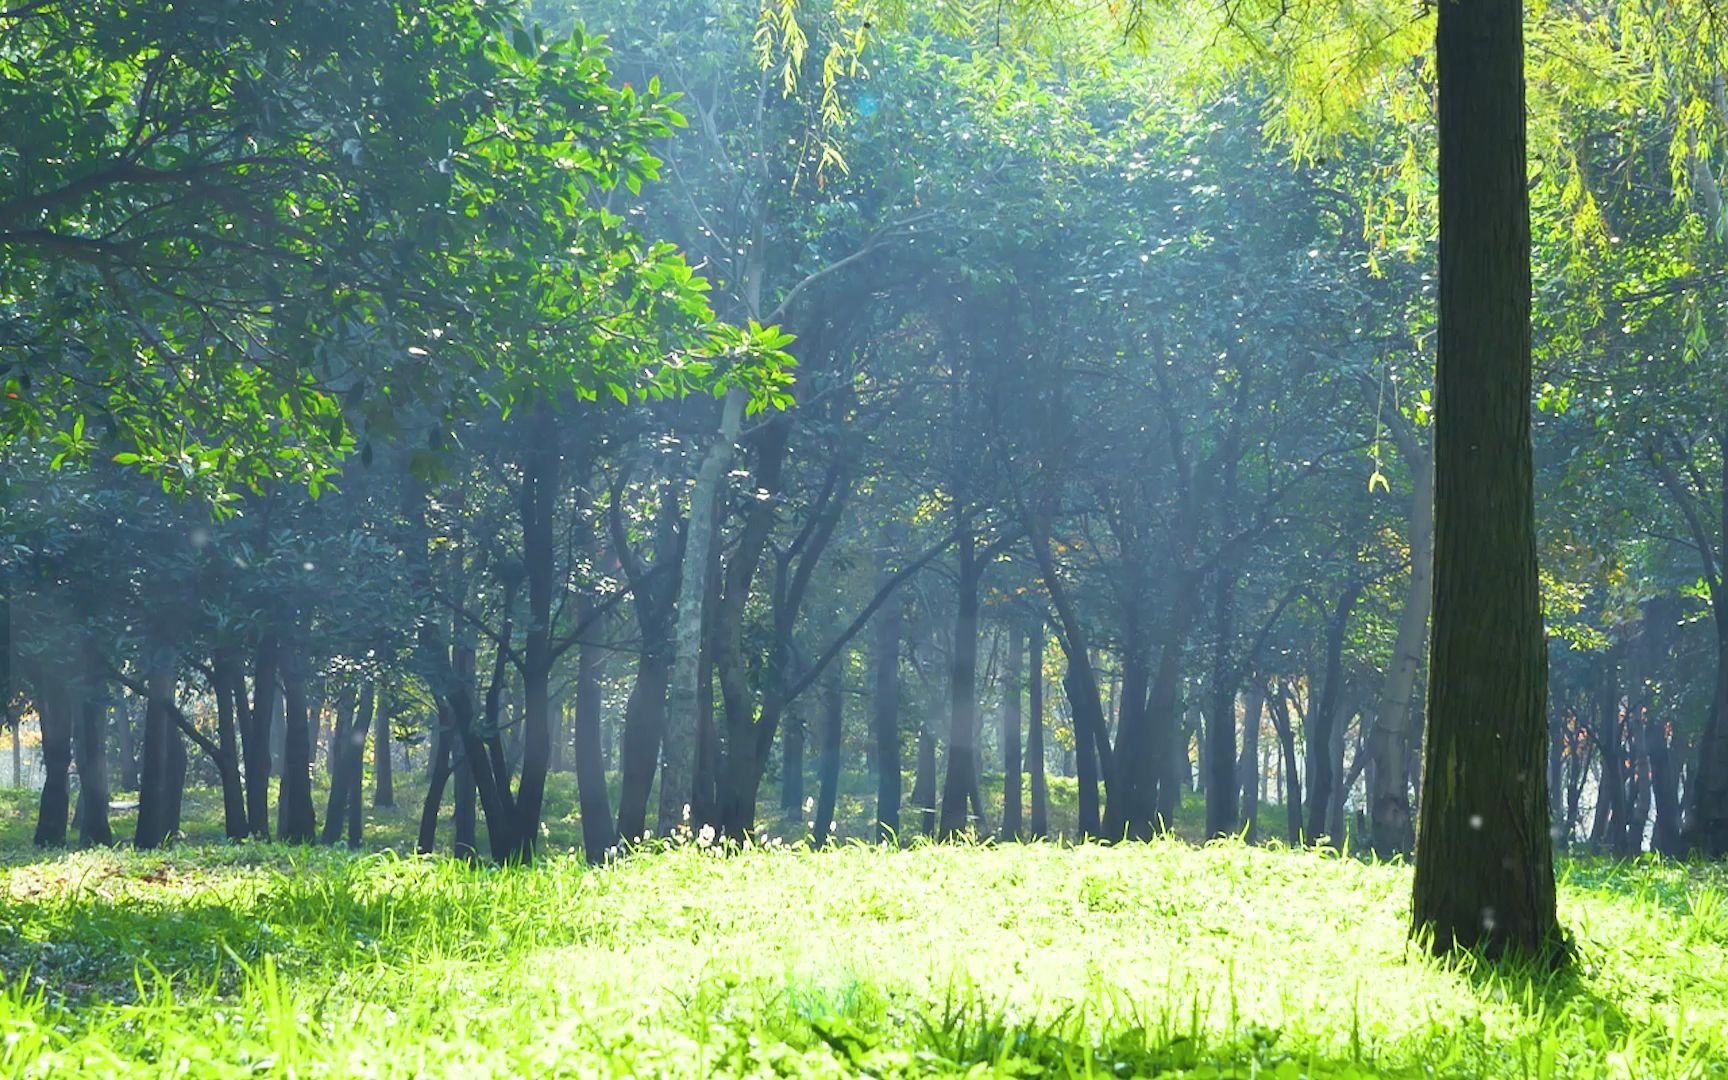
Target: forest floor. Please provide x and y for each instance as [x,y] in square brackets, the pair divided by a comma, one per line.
[1142,959]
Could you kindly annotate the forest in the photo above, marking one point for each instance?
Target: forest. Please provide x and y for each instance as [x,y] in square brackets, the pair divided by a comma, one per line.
[863,538]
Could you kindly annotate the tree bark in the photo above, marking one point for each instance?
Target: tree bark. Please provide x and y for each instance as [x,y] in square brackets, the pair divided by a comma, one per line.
[228,683]
[962,690]
[1292,779]
[296,821]
[678,772]
[1390,822]
[1484,868]
[383,768]
[157,797]
[1013,818]
[828,757]
[598,835]
[1325,748]
[1248,773]
[54,717]
[255,724]
[1038,827]
[885,710]
[90,747]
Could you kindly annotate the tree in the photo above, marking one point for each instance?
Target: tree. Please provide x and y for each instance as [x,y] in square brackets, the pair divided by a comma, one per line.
[1484,869]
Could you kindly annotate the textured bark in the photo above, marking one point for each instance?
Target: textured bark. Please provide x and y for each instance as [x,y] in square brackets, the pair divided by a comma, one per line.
[1038,826]
[1390,821]
[1484,868]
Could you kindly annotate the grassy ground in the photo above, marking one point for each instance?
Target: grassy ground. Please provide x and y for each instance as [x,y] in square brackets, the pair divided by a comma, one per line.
[1144,959]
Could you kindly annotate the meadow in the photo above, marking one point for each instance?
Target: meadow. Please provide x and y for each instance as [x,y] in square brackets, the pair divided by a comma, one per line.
[1159,959]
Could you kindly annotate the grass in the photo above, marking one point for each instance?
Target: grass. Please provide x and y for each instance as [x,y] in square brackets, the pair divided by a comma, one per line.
[1144,959]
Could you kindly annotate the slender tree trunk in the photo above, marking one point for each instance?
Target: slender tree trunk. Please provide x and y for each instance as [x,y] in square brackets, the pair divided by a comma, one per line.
[90,746]
[540,474]
[1013,824]
[229,685]
[123,745]
[1248,775]
[158,813]
[352,719]
[885,713]
[792,762]
[1484,868]
[644,723]
[1039,825]
[383,768]
[255,734]
[598,836]
[962,690]
[1220,730]
[438,772]
[466,843]
[54,716]
[924,781]
[296,822]
[1389,818]
[1325,721]
[828,757]
[678,773]
[1292,780]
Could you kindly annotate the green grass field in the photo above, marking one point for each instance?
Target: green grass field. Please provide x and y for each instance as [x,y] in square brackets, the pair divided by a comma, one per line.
[1145,959]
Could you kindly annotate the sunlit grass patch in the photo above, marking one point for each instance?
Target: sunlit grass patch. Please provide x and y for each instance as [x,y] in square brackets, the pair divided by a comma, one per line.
[1040,960]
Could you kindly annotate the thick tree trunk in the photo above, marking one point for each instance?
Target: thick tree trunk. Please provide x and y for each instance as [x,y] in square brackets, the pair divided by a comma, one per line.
[957,785]
[1389,819]
[828,757]
[644,725]
[1013,819]
[1484,868]
[1706,831]
[1038,827]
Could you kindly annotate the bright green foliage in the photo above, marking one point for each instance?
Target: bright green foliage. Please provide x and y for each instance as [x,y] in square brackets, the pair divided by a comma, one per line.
[1220,961]
[227,232]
